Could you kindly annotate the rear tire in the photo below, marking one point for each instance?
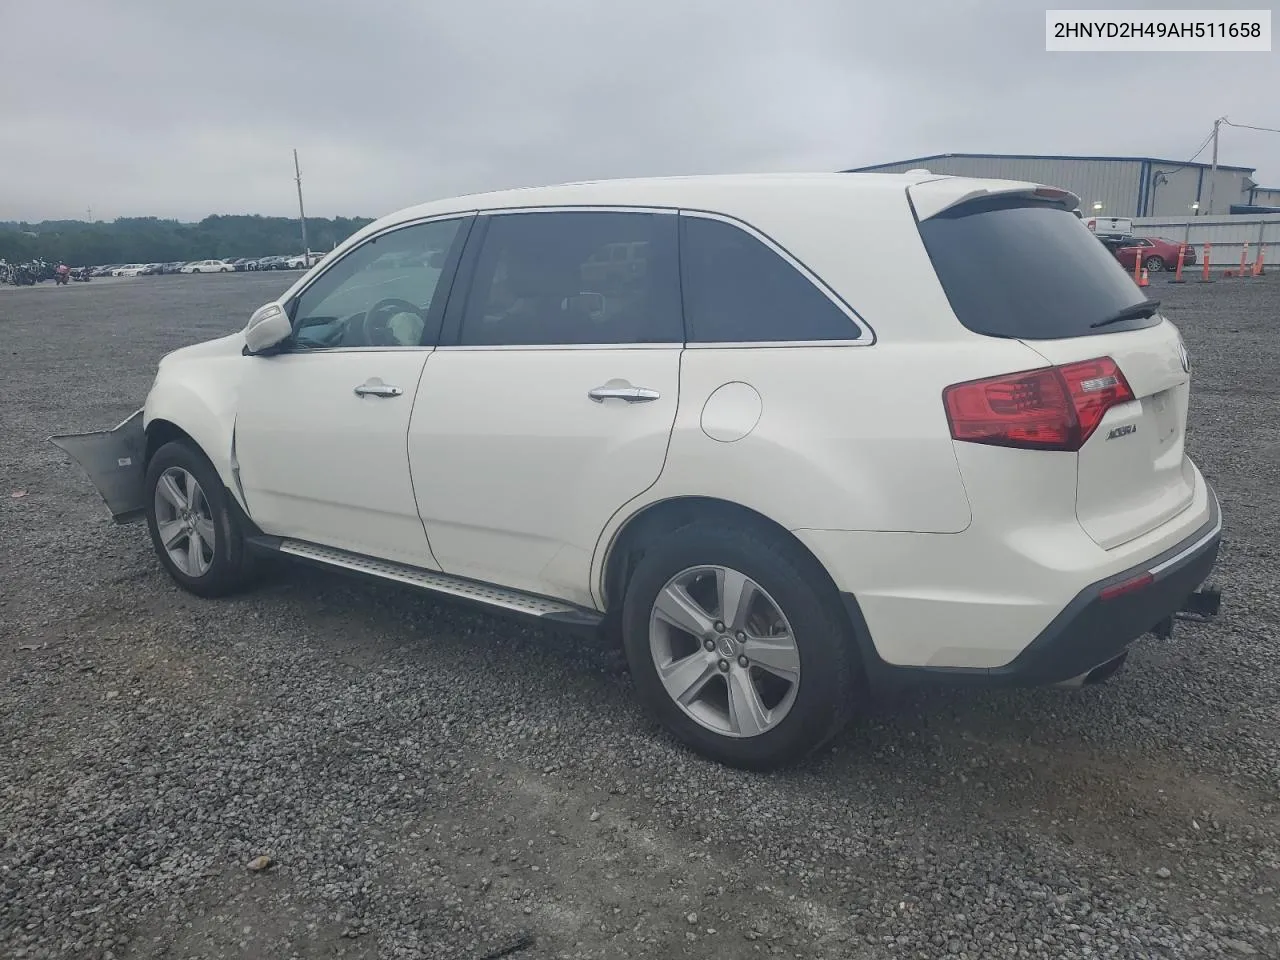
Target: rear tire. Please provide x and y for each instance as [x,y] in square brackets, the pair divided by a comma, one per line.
[187,501]
[781,723]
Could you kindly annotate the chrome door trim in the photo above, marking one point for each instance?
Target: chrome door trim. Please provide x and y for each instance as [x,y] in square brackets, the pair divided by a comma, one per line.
[579,208]
[452,348]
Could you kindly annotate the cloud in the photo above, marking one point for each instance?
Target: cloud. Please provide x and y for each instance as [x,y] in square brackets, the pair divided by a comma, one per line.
[144,107]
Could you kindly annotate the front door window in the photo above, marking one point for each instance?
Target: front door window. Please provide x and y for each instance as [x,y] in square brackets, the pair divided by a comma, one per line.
[381,294]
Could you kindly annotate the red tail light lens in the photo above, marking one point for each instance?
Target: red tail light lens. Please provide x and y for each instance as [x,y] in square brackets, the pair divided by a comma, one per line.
[1127,586]
[1053,408]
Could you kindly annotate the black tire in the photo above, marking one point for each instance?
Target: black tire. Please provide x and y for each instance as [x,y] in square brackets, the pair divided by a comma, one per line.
[829,665]
[195,269]
[1154,264]
[231,564]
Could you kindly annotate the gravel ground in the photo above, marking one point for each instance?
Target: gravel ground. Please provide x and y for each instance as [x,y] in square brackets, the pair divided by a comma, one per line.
[433,782]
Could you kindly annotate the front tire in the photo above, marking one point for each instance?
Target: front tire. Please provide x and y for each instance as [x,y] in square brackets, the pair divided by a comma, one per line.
[195,534]
[739,645]
[1154,264]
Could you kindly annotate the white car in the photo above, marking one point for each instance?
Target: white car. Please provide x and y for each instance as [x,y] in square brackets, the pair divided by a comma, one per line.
[303,261]
[129,270]
[207,266]
[822,431]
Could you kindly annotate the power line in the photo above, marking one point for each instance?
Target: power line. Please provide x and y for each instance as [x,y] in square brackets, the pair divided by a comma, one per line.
[1249,126]
[1200,149]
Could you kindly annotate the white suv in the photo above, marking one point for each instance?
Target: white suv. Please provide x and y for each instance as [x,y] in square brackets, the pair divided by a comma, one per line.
[815,431]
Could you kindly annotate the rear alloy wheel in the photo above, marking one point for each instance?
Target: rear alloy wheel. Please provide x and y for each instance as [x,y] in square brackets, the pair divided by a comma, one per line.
[196,536]
[741,678]
[738,644]
[1154,264]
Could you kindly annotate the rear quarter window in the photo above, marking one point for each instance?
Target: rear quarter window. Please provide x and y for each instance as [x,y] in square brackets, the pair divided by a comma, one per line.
[1032,271]
[737,290]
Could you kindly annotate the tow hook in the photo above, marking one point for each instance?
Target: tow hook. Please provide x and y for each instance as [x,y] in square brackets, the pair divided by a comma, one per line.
[1200,606]
[1205,602]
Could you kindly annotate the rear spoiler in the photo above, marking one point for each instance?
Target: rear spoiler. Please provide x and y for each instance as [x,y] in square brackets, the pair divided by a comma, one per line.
[933,197]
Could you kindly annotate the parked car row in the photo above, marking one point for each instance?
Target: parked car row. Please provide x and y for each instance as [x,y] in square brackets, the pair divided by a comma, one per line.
[299,261]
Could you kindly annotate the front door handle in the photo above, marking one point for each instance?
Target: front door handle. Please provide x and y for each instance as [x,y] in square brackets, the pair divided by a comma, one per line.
[373,387]
[628,393]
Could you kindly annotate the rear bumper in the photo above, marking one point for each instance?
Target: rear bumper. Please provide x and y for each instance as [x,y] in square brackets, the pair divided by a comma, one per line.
[1094,628]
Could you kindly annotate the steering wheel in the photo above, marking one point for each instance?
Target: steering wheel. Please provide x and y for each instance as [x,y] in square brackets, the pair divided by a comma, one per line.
[376,329]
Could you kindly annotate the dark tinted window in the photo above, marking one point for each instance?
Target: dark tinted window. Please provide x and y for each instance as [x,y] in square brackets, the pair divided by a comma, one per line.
[1033,271]
[736,289]
[574,278]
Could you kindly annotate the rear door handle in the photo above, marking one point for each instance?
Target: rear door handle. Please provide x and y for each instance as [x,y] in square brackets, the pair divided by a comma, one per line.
[628,393]
[373,387]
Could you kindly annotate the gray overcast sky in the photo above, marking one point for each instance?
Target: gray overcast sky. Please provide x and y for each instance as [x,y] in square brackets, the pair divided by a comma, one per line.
[154,107]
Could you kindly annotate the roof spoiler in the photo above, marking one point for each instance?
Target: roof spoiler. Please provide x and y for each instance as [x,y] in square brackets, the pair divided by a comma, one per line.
[933,197]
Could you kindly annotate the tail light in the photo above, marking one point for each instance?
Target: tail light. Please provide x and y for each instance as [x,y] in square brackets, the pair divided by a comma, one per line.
[1053,408]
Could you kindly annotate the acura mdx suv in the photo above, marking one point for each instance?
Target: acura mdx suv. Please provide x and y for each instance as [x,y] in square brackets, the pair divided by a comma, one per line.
[789,437]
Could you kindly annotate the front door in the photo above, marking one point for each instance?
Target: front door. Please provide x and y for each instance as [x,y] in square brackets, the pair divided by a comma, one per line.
[320,435]
[551,400]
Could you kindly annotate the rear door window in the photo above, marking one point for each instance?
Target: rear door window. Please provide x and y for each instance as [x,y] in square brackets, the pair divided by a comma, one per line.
[575,278]
[1033,271]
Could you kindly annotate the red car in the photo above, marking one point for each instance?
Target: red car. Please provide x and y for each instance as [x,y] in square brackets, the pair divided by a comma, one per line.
[1157,253]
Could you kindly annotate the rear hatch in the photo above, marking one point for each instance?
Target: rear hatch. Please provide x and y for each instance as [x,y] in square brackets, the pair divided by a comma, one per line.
[1017,264]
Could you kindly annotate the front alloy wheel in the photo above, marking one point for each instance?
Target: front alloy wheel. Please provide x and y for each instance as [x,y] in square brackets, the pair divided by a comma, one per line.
[185,522]
[197,535]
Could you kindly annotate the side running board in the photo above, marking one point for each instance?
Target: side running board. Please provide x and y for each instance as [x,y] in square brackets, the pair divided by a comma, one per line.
[545,609]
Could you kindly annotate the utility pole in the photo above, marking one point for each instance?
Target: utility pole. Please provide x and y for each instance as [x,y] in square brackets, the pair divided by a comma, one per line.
[302,216]
[1213,166]
[90,212]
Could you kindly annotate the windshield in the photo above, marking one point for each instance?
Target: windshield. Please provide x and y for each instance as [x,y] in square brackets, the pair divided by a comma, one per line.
[1014,267]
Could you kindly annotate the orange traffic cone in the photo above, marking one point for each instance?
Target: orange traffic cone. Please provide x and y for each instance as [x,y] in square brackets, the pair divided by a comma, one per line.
[1144,282]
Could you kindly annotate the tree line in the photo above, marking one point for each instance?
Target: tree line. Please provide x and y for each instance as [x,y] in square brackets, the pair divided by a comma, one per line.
[153,240]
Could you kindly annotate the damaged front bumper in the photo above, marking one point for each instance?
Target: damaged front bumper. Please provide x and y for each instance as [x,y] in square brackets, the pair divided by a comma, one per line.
[115,461]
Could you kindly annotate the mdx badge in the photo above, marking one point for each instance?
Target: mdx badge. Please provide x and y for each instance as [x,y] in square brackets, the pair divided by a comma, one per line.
[1124,431]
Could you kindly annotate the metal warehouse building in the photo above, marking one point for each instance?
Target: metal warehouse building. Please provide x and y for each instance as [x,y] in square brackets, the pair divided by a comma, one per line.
[1125,186]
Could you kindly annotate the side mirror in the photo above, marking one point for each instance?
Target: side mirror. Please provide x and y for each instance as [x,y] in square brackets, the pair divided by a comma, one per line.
[268,327]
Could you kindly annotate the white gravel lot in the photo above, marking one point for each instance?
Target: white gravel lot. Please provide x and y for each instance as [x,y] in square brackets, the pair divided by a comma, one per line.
[430,781]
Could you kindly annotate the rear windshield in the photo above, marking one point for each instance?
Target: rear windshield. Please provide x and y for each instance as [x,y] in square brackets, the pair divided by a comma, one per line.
[1018,268]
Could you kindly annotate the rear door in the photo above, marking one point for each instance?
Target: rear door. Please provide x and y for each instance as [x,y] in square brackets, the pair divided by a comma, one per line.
[990,256]
[550,402]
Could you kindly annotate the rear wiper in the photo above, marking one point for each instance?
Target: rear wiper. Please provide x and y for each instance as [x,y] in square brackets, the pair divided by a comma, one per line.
[1136,312]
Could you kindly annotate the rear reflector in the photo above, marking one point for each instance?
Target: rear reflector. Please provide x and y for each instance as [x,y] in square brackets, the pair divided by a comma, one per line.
[1053,408]
[1127,586]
